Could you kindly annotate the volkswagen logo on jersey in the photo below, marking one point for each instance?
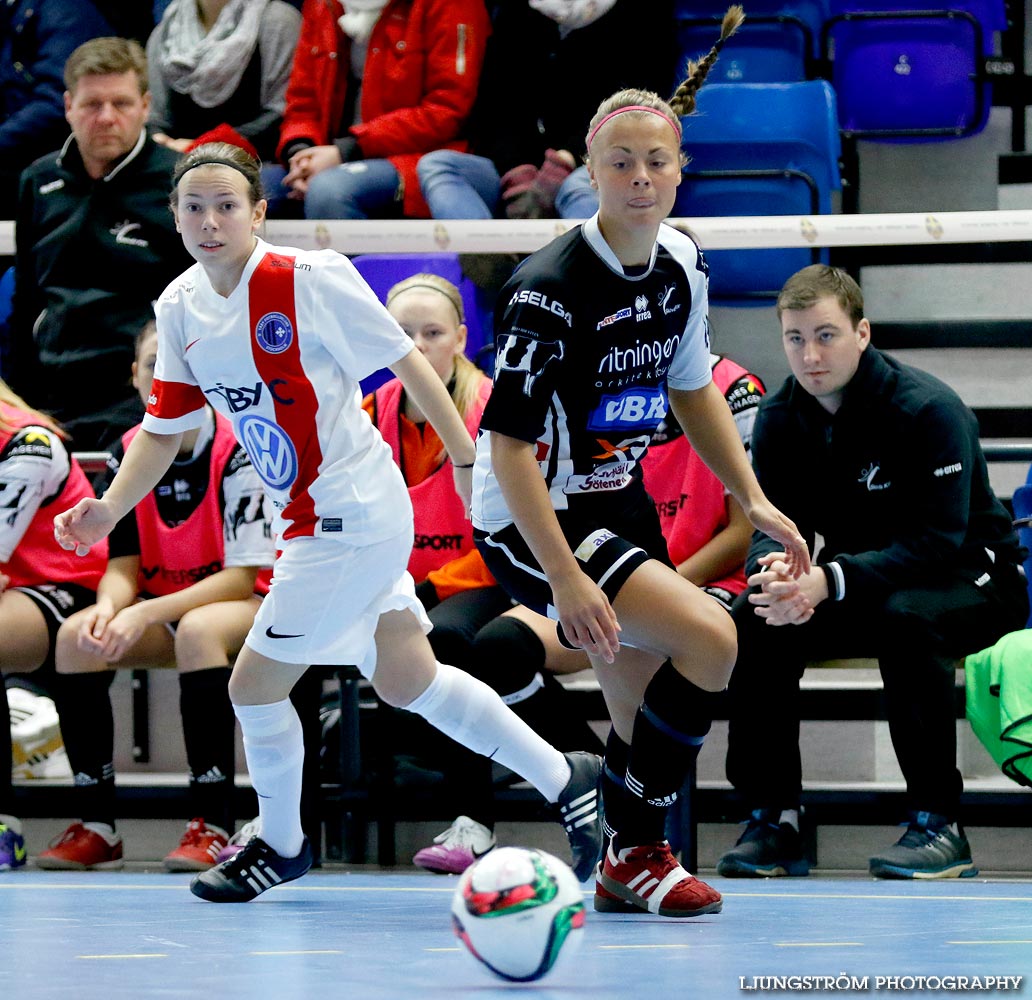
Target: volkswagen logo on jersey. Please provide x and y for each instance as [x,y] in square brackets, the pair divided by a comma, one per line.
[273,333]
[270,451]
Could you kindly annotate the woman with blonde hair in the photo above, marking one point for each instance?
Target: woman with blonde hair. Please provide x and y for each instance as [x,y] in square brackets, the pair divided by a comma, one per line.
[599,332]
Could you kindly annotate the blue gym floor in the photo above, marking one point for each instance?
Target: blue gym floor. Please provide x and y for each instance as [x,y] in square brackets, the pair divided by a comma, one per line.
[373,935]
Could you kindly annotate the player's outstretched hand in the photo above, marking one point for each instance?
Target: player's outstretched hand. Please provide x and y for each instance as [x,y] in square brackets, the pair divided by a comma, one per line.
[587,617]
[83,525]
[767,518]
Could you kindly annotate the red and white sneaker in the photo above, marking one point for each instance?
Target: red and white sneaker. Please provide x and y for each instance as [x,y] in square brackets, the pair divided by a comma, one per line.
[198,850]
[650,880]
[81,848]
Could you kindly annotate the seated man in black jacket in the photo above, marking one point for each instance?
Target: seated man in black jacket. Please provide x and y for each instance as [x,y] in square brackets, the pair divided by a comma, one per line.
[920,565]
[95,245]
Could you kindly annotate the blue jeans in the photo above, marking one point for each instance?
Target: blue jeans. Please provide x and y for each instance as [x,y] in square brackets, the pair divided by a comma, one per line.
[280,206]
[459,185]
[576,198]
[366,189]
[463,186]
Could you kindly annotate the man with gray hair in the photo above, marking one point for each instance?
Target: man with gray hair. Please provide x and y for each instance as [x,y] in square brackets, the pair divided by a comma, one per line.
[95,245]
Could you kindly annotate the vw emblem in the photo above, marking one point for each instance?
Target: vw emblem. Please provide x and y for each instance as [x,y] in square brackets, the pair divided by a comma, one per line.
[270,451]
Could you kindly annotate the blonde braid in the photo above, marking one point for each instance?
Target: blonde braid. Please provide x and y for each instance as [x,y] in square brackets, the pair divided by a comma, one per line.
[683,101]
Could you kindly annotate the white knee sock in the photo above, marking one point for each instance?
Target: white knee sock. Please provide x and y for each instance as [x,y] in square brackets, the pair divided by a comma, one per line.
[275,754]
[472,714]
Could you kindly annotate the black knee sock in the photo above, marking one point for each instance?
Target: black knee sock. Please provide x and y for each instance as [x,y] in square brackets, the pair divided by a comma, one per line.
[669,730]
[614,789]
[87,725]
[510,658]
[209,727]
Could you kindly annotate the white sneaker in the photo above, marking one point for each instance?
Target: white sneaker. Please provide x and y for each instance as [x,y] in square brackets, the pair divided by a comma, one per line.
[41,765]
[252,828]
[453,851]
[37,749]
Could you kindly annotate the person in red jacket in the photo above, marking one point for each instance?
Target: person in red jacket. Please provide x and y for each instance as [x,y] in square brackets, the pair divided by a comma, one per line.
[40,584]
[375,85]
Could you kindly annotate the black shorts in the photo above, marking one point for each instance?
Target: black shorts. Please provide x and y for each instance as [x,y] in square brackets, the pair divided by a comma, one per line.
[721,595]
[611,538]
[58,602]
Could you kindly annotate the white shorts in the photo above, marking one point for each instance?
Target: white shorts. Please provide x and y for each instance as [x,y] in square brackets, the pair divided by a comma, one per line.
[326,599]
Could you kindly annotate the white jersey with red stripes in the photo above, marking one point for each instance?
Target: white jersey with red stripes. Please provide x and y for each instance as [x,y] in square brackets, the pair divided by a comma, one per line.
[281,357]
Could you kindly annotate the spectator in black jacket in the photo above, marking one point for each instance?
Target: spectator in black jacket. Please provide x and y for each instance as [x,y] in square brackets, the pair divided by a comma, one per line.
[95,244]
[549,63]
[919,566]
[36,37]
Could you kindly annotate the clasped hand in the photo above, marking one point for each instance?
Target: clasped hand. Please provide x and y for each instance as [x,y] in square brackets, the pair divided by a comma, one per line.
[783,599]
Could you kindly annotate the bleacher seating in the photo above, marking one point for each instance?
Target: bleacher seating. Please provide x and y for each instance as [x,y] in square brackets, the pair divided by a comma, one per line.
[912,73]
[779,41]
[759,149]
[6,295]
[1022,501]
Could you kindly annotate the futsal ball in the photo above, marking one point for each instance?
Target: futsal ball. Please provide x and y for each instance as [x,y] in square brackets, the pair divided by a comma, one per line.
[515,910]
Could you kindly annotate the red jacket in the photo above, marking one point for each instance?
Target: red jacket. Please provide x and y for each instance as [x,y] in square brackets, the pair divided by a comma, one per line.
[421,73]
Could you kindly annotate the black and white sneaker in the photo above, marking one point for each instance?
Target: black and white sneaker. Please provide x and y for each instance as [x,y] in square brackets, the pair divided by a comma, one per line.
[578,811]
[253,869]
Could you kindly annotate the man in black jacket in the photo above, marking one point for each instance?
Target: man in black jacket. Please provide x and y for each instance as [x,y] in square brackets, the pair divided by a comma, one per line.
[919,566]
[95,245]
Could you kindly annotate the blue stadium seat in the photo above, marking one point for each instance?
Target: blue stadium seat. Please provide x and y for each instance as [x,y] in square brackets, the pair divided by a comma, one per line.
[912,74]
[6,295]
[779,41]
[1023,521]
[760,149]
[384,270]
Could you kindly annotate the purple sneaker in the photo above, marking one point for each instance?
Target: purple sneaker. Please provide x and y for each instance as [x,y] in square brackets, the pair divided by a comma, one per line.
[457,848]
[250,829]
[12,849]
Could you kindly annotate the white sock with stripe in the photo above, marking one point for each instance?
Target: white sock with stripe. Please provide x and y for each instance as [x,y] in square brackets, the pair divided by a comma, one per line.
[472,714]
[275,753]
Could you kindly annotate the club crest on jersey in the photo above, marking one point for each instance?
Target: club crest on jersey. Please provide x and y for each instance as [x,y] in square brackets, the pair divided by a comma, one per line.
[274,333]
[636,408]
[271,452]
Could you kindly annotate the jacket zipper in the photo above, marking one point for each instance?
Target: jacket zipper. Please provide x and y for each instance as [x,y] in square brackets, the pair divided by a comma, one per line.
[460,54]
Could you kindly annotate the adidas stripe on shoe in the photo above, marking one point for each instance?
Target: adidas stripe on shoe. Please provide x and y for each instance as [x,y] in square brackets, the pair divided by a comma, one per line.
[255,868]
[578,812]
[650,878]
